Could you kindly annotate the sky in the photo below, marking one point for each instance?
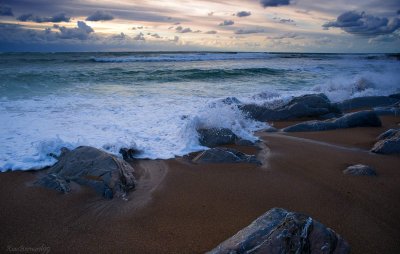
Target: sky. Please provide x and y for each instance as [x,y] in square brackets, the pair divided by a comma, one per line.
[340,26]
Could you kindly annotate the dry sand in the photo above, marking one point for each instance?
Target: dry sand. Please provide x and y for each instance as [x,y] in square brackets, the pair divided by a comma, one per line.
[181,207]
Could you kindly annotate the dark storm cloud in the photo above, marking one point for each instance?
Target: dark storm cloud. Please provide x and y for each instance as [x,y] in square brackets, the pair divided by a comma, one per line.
[274,3]
[60,17]
[100,16]
[227,23]
[241,14]
[6,11]
[81,32]
[249,31]
[360,23]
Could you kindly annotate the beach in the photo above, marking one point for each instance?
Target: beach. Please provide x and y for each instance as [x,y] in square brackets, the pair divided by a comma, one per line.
[193,207]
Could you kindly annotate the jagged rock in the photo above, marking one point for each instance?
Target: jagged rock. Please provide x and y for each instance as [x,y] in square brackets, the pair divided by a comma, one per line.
[311,105]
[53,181]
[388,134]
[105,173]
[128,153]
[360,170]
[365,118]
[220,136]
[280,231]
[366,102]
[225,155]
[389,144]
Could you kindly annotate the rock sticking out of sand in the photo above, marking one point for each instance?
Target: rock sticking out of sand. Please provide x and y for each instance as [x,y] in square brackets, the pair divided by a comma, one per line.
[105,173]
[360,170]
[220,136]
[389,142]
[311,105]
[225,155]
[281,231]
[365,118]
[367,102]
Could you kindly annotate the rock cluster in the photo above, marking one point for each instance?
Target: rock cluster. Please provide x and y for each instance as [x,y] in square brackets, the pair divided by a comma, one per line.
[388,142]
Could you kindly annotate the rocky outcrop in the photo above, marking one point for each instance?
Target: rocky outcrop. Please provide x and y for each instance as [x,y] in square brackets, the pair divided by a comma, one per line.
[220,136]
[365,118]
[389,142]
[393,110]
[312,105]
[366,102]
[105,173]
[280,231]
[360,170]
[225,155]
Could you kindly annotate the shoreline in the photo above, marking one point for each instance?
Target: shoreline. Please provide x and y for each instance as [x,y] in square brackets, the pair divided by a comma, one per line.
[180,206]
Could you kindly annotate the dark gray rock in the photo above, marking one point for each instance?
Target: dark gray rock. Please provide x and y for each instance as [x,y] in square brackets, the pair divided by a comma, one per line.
[105,173]
[388,134]
[279,231]
[220,136]
[366,102]
[365,118]
[311,105]
[128,153]
[53,181]
[225,155]
[360,170]
[388,145]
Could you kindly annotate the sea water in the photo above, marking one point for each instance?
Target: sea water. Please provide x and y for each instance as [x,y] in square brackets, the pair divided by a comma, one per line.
[155,102]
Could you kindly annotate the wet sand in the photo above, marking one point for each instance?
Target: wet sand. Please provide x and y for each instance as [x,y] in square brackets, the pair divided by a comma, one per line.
[181,207]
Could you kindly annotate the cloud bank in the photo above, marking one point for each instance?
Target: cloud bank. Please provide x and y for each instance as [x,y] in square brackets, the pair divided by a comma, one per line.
[100,16]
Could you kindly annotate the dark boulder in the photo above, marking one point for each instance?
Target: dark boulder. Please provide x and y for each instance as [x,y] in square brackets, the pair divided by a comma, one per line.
[365,118]
[279,231]
[220,136]
[359,170]
[366,102]
[389,143]
[105,173]
[311,105]
[225,155]
[53,181]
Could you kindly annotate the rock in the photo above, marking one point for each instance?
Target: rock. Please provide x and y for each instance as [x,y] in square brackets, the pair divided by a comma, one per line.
[311,105]
[388,145]
[220,136]
[388,134]
[53,181]
[365,118]
[225,155]
[105,173]
[366,102]
[128,153]
[360,170]
[280,231]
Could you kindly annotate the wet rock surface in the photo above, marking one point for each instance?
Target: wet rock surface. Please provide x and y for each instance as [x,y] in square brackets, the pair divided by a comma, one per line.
[365,118]
[389,142]
[367,102]
[281,231]
[106,174]
[225,155]
[312,105]
[360,170]
[220,136]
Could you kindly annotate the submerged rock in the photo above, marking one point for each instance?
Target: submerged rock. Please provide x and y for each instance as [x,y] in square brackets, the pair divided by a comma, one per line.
[366,102]
[105,173]
[280,231]
[225,155]
[365,118]
[389,143]
[220,136]
[311,105]
[360,170]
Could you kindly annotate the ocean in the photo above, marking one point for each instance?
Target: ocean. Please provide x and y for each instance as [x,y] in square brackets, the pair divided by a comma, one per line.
[154,102]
